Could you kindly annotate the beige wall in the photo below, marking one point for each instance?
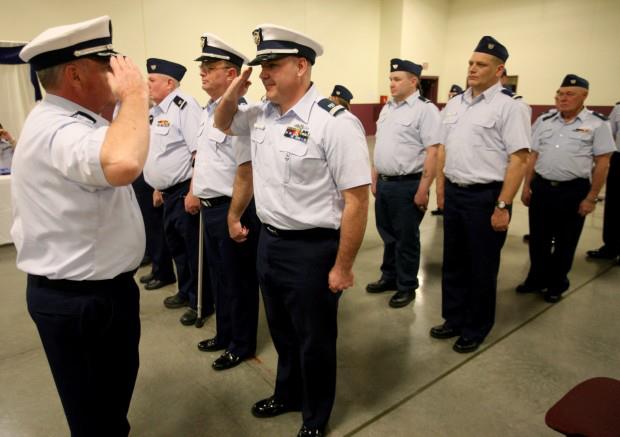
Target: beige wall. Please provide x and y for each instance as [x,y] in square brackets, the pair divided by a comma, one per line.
[546,38]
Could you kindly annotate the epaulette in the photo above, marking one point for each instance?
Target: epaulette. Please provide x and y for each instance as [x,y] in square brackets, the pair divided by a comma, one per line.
[151,119]
[617,103]
[242,101]
[80,114]
[547,117]
[331,107]
[517,97]
[508,92]
[424,99]
[599,115]
[180,102]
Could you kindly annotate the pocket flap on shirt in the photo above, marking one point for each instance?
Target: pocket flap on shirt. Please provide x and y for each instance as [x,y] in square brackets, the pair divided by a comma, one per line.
[294,147]
[217,135]
[485,123]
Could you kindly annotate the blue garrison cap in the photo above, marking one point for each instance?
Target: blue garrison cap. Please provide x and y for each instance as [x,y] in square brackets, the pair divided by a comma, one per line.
[574,80]
[491,46]
[456,89]
[404,65]
[161,66]
[342,92]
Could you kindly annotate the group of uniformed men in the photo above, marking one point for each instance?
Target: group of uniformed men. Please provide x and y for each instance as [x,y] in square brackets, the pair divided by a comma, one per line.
[282,187]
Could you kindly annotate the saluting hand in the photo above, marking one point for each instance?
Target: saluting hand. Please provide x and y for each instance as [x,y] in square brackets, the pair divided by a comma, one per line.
[125,79]
[240,85]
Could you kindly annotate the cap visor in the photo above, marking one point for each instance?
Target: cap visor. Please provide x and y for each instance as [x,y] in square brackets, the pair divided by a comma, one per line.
[268,57]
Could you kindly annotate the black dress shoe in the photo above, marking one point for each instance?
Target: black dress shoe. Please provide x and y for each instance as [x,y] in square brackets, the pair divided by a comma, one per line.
[464,345]
[437,211]
[402,298]
[552,297]
[444,331]
[270,407]
[527,288]
[601,253]
[210,345]
[189,317]
[227,360]
[306,431]
[154,284]
[380,286]
[175,301]
[145,279]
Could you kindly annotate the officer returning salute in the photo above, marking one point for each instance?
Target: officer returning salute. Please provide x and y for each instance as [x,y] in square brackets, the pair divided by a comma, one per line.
[486,136]
[611,215]
[558,188]
[174,125]
[77,227]
[404,168]
[311,171]
[341,96]
[223,182]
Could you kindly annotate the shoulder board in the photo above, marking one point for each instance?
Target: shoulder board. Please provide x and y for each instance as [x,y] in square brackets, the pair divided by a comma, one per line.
[508,92]
[547,117]
[180,102]
[599,115]
[424,99]
[617,103]
[82,115]
[242,101]
[331,107]
[517,97]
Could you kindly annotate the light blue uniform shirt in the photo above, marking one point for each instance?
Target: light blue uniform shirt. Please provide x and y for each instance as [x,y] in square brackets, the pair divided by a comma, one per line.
[614,119]
[217,157]
[68,221]
[404,131]
[481,133]
[566,150]
[174,127]
[302,160]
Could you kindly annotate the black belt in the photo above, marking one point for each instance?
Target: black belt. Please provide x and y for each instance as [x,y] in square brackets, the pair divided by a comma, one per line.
[477,187]
[86,285]
[403,177]
[551,183]
[303,234]
[215,201]
[175,188]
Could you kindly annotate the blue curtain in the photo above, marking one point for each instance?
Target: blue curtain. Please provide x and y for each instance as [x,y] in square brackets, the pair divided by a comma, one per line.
[10,56]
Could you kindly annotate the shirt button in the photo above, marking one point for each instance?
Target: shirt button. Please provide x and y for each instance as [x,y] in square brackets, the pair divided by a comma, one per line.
[557,146]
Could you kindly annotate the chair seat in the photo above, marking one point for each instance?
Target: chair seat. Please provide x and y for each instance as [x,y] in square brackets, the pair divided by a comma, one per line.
[591,408]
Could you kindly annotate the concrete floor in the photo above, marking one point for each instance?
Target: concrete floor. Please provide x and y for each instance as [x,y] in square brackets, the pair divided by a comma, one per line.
[393,379]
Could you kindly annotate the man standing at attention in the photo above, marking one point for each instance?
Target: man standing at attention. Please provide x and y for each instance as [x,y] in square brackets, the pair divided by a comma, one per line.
[485,145]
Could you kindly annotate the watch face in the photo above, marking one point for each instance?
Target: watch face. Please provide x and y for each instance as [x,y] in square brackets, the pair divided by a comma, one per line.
[501,204]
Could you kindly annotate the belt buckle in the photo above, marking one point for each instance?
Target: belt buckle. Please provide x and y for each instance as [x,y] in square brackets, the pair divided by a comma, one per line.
[555,183]
[462,185]
[384,177]
[206,203]
[272,230]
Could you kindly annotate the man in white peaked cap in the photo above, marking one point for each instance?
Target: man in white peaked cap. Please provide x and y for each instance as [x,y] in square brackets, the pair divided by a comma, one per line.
[311,176]
[77,227]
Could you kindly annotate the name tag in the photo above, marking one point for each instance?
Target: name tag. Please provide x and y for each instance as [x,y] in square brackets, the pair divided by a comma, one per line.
[583,129]
[299,133]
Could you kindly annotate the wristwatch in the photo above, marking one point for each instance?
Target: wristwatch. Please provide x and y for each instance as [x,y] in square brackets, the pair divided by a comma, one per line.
[500,204]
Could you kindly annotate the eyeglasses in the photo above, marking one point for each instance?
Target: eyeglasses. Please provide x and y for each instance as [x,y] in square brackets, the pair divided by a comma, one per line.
[210,69]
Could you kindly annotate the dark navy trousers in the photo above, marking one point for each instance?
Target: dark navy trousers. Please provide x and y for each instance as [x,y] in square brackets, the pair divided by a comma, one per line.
[156,246]
[90,331]
[302,316]
[232,267]
[611,216]
[471,257]
[555,228]
[398,223]
[182,233]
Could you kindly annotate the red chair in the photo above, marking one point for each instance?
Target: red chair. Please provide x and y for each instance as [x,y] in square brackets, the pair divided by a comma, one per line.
[590,409]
